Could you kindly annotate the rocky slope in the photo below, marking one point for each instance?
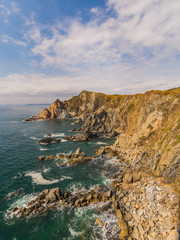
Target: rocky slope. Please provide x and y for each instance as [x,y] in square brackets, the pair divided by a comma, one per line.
[147,124]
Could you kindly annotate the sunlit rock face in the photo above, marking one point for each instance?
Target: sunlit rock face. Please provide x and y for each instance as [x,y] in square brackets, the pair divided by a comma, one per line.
[147,125]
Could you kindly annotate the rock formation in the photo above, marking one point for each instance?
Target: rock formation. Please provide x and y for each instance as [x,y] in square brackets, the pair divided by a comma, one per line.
[147,124]
[143,197]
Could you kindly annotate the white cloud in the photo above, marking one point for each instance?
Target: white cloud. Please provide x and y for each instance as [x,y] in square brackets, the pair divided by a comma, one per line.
[38,88]
[6,39]
[139,26]
[132,50]
[9,8]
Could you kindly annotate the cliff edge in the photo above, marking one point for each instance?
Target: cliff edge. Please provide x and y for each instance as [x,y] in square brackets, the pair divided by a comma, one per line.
[147,126]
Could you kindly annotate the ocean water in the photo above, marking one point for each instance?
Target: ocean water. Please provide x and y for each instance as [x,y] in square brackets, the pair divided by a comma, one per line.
[21,171]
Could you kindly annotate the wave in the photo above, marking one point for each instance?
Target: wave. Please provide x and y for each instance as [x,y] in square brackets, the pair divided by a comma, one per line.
[17,176]
[34,138]
[43,149]
[112,161]
[64,140]
[54,135]
[21,202]
[101,143]
[75,187]
[45,170]
[65,177]
[74,233]
[38,179]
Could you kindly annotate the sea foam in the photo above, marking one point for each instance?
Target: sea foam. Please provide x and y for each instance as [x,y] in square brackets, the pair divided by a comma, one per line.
[43,149]
[37,178]
[54,135]
[101,143]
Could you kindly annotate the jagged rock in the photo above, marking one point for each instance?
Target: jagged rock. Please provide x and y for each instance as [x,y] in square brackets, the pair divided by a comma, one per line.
[14,209]
[128,178]
[99,222]
[74,158]
[41,158]
[105,206]
[44,114]
[49,140]
[78,151]
[109,194]
[145,123]
[53,195]
[122,225]
[81,137]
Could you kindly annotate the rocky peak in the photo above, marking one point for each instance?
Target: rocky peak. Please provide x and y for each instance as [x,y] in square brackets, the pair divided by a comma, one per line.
[56,108]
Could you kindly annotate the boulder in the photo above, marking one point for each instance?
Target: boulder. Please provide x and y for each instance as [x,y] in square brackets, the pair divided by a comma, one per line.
[109,194]
[53,195]
[122,225]
[49,140]
[105,206]
[50,157]
[14,209]
[99,222]
[128,178]
[41,158]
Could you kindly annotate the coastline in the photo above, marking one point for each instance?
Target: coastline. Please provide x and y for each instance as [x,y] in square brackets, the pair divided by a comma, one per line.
[144,204]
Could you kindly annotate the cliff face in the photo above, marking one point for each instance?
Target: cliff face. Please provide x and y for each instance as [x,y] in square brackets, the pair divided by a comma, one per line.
[148,125]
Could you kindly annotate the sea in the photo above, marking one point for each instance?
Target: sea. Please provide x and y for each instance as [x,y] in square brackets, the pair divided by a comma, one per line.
[23,176]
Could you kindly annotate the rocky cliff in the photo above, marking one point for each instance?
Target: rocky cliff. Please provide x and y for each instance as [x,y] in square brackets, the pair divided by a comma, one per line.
[147,126]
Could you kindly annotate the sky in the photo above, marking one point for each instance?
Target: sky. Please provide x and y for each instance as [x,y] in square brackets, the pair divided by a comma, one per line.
[55,49]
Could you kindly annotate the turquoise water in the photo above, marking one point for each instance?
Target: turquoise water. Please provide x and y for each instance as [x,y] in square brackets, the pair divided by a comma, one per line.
[21,170]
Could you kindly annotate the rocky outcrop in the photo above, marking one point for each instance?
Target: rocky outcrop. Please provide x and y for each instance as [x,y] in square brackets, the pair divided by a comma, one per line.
[48,140]
[141,197]
[81,137]
[68,159]
[143,207]
[72,159]
[147,124]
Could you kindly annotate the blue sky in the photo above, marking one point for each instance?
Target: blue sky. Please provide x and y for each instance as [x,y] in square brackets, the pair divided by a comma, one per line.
[57,48]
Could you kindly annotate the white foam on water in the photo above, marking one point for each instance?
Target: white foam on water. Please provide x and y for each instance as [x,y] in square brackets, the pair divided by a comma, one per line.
[112,161]
[34,138]
[43,143]
[43,149]
[45,170]
[38,179]
[75,187]
[17,176]
[64,140]
[79,212]
[74,233]
[21,202]
[107,181]
[101,143]
[65,177]
[54,135]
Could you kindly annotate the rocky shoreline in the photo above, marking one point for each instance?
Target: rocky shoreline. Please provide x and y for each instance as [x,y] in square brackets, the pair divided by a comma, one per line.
[144,207]
[143,196]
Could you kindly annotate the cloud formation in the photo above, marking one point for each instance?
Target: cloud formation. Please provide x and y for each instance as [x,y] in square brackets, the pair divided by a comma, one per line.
[127,47]
[144,31]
